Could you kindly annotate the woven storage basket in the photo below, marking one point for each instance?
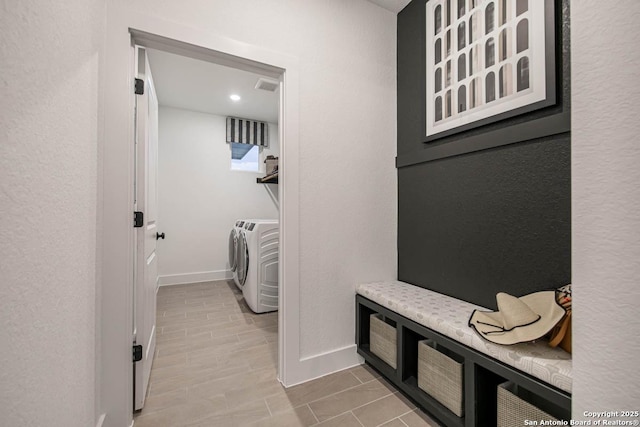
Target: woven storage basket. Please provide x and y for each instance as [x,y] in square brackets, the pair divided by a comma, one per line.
[441,376]
[382,340]
[513,409]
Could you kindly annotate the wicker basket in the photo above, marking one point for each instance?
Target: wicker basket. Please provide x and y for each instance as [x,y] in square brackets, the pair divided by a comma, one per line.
[515,405]
[382,339]
[441,376]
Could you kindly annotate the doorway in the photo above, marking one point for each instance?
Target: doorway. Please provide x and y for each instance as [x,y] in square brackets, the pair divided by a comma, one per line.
[207,181]
[113,349]
[196,95]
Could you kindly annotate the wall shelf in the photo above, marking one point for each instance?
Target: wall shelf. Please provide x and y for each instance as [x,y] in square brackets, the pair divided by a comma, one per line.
[269,179]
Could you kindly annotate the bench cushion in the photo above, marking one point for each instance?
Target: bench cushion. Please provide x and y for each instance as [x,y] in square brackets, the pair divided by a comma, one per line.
[449,316]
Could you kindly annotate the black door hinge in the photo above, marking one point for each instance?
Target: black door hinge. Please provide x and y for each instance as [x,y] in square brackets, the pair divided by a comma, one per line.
[139,87]
[138,219]
[137,353]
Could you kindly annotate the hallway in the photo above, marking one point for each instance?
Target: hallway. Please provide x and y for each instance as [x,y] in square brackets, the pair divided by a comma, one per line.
[215,365]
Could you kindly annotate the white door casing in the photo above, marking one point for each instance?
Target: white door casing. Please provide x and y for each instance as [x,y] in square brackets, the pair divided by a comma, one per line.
[146,201]
[117,275]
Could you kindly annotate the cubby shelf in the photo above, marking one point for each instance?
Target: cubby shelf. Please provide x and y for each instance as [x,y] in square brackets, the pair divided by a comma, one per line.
[481,373]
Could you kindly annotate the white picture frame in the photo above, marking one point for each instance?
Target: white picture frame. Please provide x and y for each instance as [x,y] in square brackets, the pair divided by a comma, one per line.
[486,60]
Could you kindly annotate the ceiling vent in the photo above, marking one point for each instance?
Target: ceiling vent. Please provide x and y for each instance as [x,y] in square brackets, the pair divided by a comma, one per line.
[267,84]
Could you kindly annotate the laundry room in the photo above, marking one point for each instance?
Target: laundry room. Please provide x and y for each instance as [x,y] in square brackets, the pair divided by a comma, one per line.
[205,183]
[217,213]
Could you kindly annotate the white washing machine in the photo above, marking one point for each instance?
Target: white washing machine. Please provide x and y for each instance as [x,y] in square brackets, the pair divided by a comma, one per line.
[257,264]
[233,250]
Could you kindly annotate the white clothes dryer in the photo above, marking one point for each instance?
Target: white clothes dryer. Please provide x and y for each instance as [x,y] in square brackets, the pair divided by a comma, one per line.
[261,238]
[234,237]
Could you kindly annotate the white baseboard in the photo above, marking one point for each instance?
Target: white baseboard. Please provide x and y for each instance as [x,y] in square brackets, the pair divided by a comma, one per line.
[203,276]
[319,365]
[101,420]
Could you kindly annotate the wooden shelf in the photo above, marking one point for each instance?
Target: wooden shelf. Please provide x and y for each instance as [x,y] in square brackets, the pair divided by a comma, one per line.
[270,179]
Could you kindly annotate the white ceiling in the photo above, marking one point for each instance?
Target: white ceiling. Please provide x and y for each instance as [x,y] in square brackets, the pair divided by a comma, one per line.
[197,85]
[394,6]
[202,86]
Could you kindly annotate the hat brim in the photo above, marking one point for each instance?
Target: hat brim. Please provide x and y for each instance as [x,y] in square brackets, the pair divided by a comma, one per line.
[543,303]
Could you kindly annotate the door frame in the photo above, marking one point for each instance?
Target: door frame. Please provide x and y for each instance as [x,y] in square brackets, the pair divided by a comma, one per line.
[114,369]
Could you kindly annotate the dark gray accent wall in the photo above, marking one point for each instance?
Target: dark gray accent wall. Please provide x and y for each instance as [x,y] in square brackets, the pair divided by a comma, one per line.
[497,220]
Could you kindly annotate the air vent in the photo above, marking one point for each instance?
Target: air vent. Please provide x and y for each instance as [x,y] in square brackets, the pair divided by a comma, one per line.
[267,84]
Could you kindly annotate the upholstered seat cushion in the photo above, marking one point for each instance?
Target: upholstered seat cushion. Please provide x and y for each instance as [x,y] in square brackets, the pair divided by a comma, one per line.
[449,316]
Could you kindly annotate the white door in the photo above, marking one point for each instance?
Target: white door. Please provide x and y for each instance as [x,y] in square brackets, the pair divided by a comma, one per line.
[146,200]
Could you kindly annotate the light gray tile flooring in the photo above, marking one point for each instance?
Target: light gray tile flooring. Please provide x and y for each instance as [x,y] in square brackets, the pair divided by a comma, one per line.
[215,365]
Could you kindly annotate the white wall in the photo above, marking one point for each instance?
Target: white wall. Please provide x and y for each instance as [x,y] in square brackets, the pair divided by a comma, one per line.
[347,60]
[50,55]
[347,142]
[606,205]
[340,58]
[49,61]
[200,197]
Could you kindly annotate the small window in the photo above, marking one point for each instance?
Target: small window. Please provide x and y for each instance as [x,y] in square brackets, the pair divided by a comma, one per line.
[490,94]
[521,7]
[504,11]
[475,93]
[462,70]
[504,48]
[462,99]
[461,36]
[447,104]
[474,60]
[523,74]
[489,18]
[245,157]
[490,53]
[505,81]
[522,35]
[474,27]
[438,108]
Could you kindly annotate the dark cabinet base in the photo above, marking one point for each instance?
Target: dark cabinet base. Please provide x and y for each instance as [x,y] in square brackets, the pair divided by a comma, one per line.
[481,374]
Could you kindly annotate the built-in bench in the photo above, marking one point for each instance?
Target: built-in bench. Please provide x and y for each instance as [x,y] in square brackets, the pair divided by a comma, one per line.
[418,314]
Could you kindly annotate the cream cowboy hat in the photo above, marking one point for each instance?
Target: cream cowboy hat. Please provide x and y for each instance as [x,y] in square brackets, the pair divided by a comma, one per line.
[518,319]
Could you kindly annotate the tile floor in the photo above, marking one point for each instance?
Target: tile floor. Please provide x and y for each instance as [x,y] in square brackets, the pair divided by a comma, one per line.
[215,365]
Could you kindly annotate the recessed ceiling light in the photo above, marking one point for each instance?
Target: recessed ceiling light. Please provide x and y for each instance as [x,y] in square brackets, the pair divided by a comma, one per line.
[235,97]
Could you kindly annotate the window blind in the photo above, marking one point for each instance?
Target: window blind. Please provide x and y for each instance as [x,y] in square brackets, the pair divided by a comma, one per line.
[243,131]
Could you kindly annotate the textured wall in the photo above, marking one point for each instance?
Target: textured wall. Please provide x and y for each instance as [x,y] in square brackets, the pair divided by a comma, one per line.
[49,61]
[199,196]
[606,205]
[347,105]
[488,221]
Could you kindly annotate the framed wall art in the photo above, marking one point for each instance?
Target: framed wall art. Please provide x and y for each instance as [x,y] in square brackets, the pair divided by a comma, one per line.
[487,60]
